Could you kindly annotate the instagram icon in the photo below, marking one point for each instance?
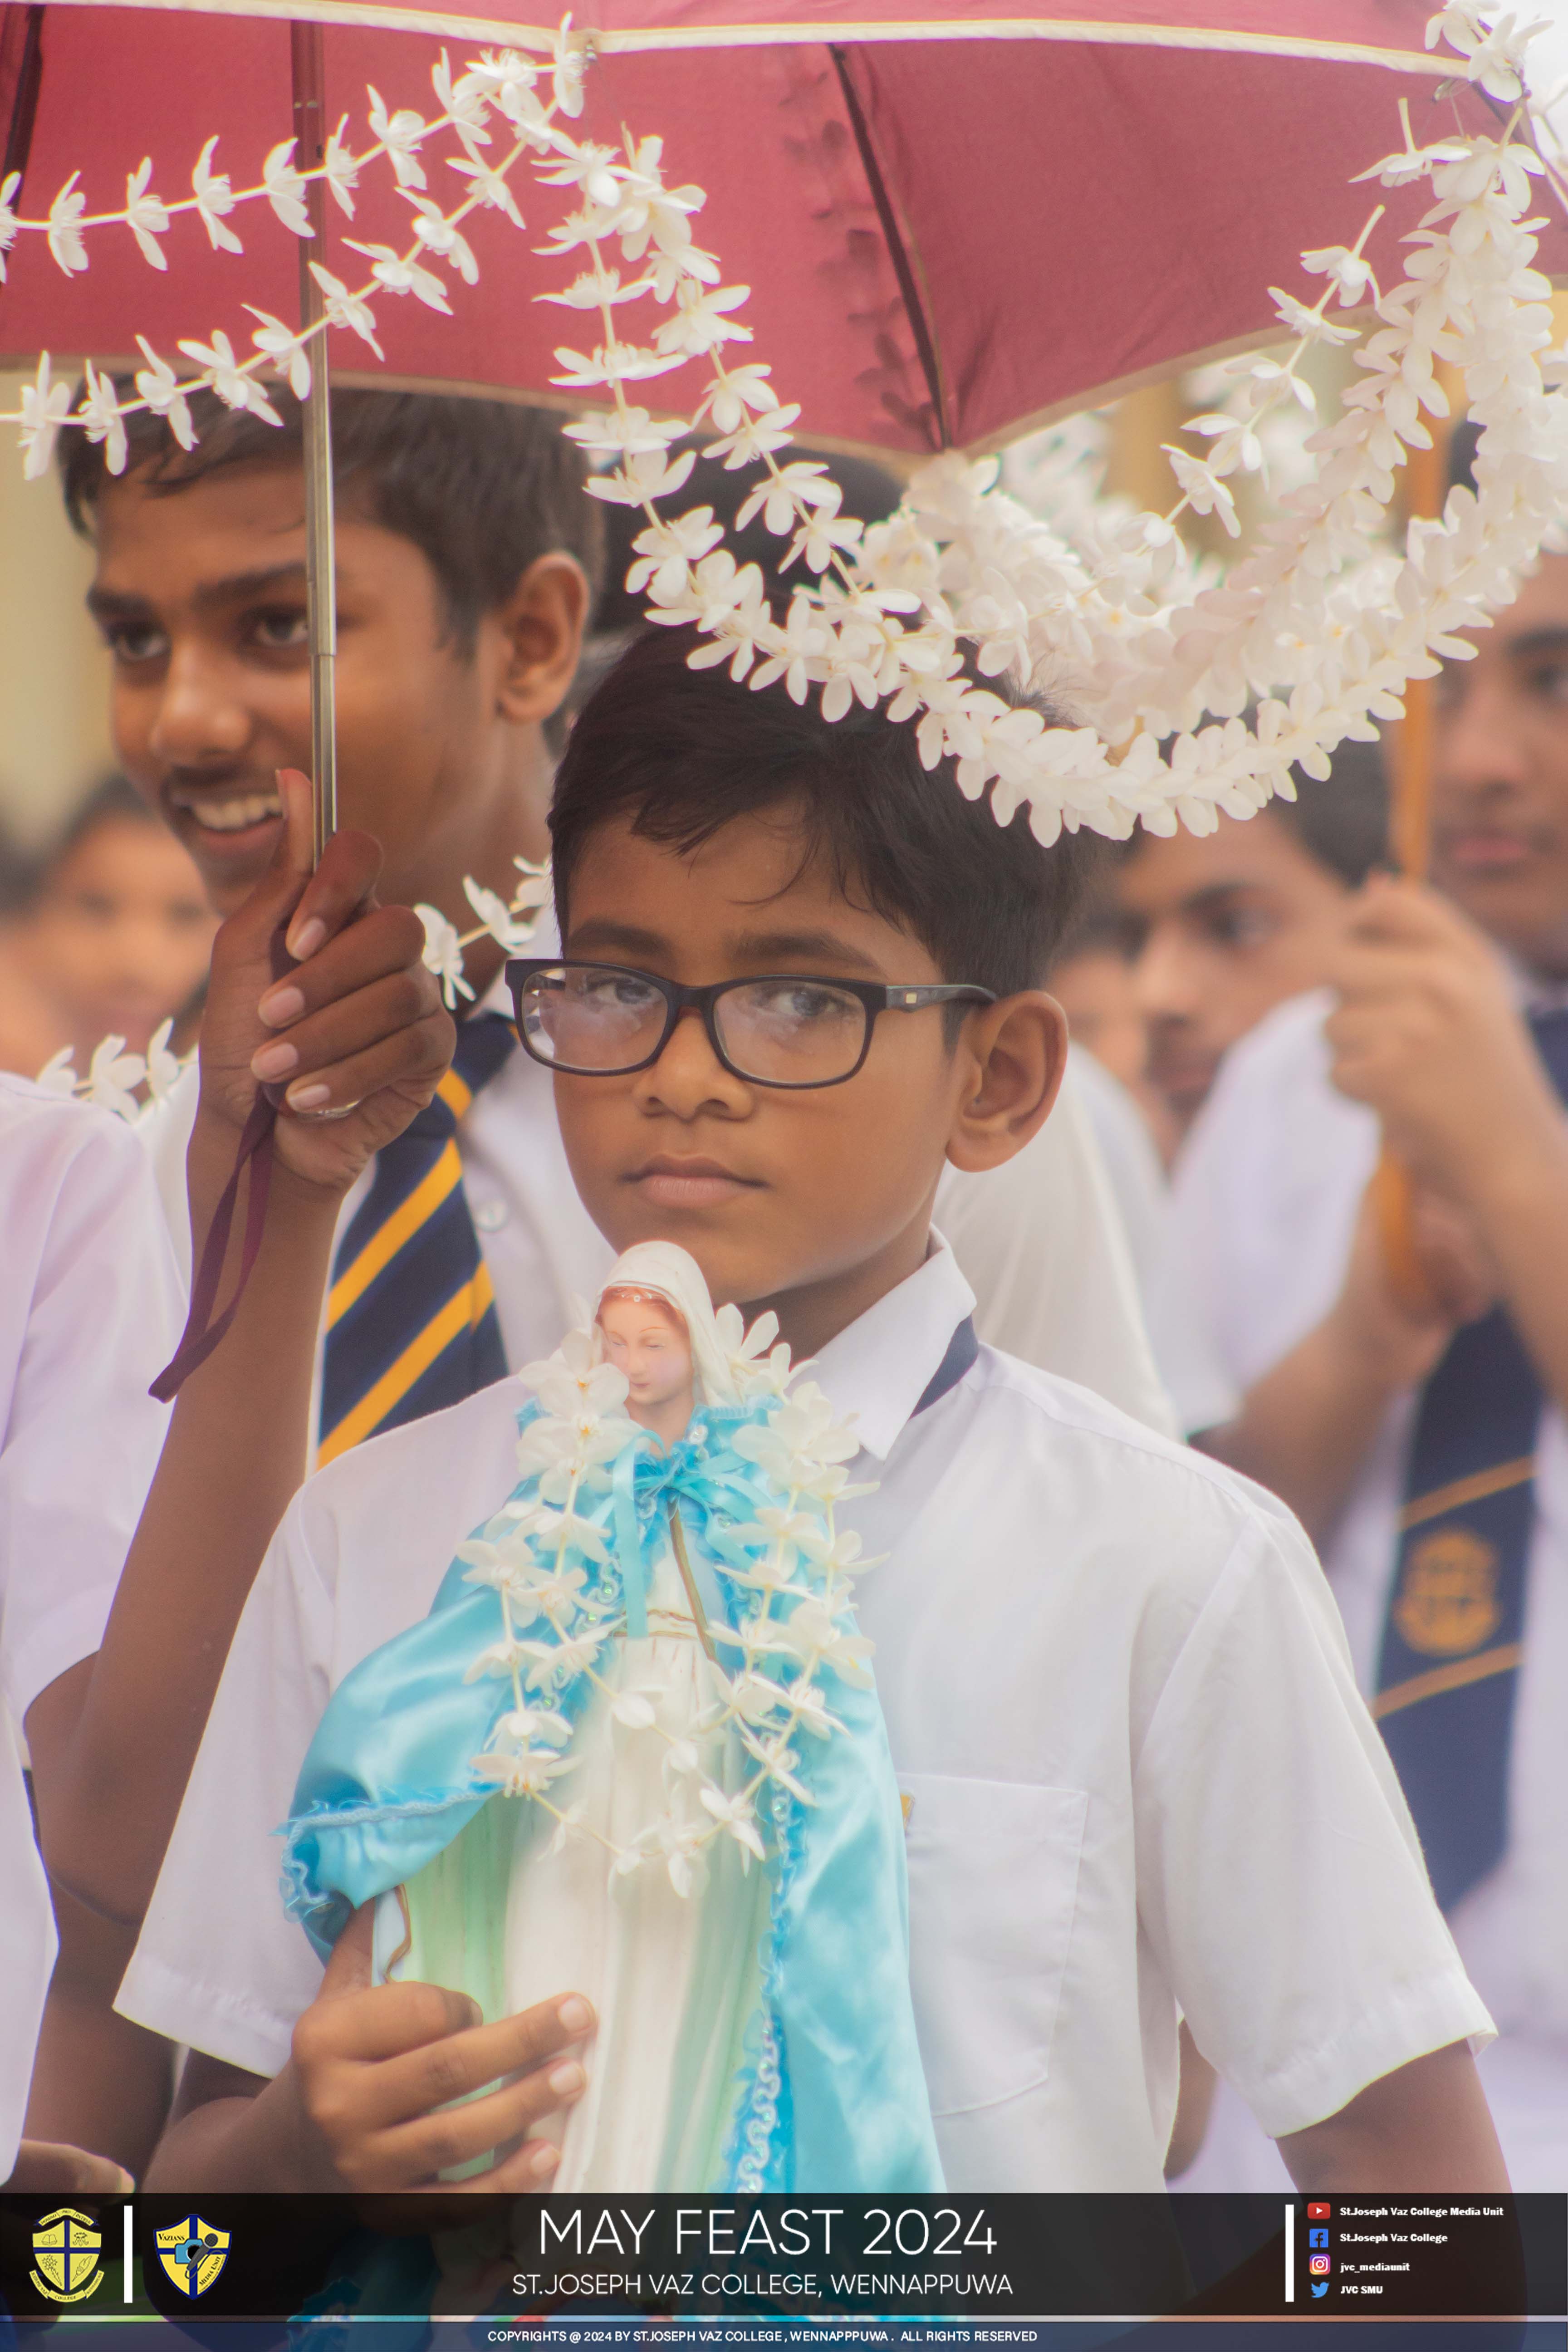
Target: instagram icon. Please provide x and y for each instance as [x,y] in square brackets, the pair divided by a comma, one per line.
[1319,2265]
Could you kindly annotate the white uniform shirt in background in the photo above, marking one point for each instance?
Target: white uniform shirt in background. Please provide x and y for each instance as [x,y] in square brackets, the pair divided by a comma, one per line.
[1119,1702]
[1187,1360]
[1040,1239]
[89,1312]
[1267,1192]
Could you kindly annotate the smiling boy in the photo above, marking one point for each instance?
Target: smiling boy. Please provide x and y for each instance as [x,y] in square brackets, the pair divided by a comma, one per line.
[1102,1662]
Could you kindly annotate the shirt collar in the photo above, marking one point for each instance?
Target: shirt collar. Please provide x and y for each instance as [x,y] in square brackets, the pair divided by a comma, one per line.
[879,1368]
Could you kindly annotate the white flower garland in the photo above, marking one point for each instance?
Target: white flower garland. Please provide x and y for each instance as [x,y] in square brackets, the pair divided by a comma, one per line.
[1159,661]
[539,1568]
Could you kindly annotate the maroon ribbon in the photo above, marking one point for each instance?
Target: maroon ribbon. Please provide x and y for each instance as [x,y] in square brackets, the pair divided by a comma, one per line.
[201,1334]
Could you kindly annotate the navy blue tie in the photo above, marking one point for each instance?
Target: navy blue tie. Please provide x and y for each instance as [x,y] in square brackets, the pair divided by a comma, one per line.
[1448,1670]
[411,1316]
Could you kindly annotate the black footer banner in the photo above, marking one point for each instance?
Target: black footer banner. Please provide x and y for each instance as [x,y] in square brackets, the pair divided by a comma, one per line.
[586,2271]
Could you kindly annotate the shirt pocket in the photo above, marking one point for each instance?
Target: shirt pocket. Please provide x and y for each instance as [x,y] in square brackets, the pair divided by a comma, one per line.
[993,1870]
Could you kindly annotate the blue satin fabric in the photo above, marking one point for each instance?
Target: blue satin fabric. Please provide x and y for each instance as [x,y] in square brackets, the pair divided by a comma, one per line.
[833,2096]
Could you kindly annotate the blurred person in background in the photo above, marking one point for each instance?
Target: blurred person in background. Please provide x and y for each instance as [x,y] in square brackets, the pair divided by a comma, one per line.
[1092,980]
[1225,926]
[1421,1433]
[114,942]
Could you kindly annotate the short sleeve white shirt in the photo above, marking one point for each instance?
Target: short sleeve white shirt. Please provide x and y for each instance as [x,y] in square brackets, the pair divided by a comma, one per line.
[89,1312]
[1267,1197]
[1120,1705]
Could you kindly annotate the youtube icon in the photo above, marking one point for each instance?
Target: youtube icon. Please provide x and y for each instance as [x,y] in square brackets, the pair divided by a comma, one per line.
[1317,2211]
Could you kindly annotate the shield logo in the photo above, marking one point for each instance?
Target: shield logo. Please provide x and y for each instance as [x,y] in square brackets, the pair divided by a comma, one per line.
[66,2248]
[192,2253]
[1448,1603]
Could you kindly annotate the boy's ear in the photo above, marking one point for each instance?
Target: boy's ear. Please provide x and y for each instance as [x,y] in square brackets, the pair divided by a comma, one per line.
[1012,1055]
[541,624]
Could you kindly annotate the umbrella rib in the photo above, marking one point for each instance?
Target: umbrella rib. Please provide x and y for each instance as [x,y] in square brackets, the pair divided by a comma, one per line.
[25,100]
[897,250]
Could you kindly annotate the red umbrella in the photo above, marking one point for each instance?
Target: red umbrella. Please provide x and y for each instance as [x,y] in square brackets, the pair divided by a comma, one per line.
[952,225]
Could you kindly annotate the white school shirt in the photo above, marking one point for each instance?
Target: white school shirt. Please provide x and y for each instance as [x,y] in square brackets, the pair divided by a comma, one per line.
[1187,1362]
[89,1312]
[1267,1192]
[1040,1239]
[1119,1703]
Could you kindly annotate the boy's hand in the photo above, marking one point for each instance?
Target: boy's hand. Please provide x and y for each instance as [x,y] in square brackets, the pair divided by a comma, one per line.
[355,1033]
[46,2168]
[376,2066]
[1393,1342]
[1427,1034]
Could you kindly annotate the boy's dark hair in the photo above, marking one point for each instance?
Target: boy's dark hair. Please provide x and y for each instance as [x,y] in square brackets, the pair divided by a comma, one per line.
[1341,819]
[482,488]
[683,753]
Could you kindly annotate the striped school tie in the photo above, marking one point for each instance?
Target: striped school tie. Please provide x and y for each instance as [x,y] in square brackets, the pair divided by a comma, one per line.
[411,1316]
[1454,1637]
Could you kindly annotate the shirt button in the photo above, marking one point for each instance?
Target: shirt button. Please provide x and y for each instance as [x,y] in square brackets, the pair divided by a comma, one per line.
[490,1216]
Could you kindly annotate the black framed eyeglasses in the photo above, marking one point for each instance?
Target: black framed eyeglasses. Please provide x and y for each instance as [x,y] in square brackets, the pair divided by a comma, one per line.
[780,1029]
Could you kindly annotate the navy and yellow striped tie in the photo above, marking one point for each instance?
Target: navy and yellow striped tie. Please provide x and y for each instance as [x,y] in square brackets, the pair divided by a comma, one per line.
[411,1316]
[1453,1641]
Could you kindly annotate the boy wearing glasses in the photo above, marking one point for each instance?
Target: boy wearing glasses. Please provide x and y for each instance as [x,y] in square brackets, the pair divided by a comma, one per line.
[800,973]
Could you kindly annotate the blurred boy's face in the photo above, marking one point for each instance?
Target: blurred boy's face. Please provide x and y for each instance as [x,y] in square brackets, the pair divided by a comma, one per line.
[122,931]
[824,1193]
[200,594]
[1499,809]
[1225,927]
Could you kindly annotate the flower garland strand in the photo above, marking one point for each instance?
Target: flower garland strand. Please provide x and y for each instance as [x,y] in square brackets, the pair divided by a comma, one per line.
[543,1571]
[1160,661]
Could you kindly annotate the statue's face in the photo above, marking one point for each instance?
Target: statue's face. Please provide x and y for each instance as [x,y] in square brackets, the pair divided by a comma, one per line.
[647,1341]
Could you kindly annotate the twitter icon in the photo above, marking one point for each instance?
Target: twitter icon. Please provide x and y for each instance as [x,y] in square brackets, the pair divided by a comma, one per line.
[1319,2286]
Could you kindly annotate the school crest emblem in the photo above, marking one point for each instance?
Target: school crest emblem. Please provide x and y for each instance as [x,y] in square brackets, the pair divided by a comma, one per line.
[1448,1603]
[67,2249]
[192,2253]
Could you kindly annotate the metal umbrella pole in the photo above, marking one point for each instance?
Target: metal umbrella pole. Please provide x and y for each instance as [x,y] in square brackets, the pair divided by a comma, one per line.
[320,571]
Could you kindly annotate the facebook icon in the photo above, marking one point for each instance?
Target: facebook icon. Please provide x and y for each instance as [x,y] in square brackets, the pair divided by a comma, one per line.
[1316,2237]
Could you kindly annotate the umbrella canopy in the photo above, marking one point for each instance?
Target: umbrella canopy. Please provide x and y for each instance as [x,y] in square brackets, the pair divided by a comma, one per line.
[953,227]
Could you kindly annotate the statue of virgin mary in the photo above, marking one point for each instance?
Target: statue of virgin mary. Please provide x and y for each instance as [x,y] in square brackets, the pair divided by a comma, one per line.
[635,1753]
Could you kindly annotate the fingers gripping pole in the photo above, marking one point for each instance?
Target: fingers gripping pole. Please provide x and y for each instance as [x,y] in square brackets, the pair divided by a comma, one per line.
[322,620]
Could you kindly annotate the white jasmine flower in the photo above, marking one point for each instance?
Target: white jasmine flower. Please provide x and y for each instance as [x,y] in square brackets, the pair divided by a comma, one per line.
[400,135]
[146,215]
[228,378]
[435,232]
[65,239]
[8,188]
[699,323]
[215,198]
[666,551]
[444,955]
[99,414]
[400,276]
[59,1075]
[739,391]
[1350,273]
[570,63]
[735,1815]
[488,184]
[346,309]
[1202,488]
[612,363]
[283,348]
[45,407]
[525,1775]
[160,388]
[284,187]
[340,169]
[111,1074]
